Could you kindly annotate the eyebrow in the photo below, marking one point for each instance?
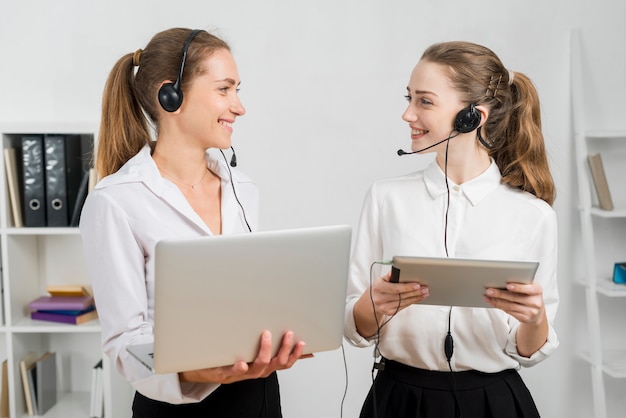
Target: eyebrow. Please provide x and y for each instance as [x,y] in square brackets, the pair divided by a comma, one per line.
[228,80]
[421,91]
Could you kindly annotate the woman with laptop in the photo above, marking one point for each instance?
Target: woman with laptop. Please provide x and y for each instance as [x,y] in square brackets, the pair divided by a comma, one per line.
[487,195]
[171,188]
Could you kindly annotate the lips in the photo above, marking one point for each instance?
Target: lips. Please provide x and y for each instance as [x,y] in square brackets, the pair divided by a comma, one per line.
[419,131]
[225,123]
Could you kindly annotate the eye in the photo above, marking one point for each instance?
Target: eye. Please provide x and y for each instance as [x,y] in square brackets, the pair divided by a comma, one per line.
[425,101]
[408,98]
[237,90]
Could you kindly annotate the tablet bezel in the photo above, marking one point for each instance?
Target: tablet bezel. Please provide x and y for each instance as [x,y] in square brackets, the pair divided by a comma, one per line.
[460,282]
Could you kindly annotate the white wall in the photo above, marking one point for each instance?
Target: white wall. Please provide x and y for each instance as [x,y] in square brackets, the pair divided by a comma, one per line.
[323,83]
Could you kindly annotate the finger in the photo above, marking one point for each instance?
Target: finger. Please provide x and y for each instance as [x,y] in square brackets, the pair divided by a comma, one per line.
[265,349]
[282,357]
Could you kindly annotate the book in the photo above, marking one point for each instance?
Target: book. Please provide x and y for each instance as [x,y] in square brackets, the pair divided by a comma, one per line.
[13,181]
[67,290]
[46,382]
[81,318]
[4,395]
[599,180]
[61,303]
[27,364]
[33,181]
[96,406]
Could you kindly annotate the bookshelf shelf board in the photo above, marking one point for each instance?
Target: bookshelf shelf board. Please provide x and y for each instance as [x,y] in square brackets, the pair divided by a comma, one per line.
[70,405]
[43,231]
[599,134]
[601,213]
[613,362]
[606,287]
[27,326]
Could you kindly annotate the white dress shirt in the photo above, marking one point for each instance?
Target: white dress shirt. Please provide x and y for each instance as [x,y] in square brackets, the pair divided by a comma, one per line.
[486,220]
[123,218]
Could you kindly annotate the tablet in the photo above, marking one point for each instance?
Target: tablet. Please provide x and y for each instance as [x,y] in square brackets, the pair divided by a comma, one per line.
[460,282]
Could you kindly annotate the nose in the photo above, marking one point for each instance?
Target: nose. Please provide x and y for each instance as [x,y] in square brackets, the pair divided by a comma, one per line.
[409,115]
[236,107]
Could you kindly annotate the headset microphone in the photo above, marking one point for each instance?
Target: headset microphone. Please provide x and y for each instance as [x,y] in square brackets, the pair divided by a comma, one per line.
[233,159]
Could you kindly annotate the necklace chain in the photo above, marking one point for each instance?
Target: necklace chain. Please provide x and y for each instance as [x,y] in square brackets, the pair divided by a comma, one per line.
[193,186]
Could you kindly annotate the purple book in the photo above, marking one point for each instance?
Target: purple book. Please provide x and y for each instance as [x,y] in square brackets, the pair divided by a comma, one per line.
[61,303]
[64,318]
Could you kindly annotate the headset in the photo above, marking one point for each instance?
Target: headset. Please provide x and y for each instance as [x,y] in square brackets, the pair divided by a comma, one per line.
[171,94]
[467,119]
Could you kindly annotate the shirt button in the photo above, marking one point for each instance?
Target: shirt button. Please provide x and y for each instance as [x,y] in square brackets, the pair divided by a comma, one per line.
[456,188]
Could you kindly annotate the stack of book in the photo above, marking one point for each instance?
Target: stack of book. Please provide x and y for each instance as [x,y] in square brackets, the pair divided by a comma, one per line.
[39,376]
[67,304]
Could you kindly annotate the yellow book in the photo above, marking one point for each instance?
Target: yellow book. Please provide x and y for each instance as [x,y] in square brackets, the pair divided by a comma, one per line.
[67,290]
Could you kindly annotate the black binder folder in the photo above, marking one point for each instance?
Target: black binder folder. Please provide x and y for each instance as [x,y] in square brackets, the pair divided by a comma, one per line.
[63,173]
[33,181]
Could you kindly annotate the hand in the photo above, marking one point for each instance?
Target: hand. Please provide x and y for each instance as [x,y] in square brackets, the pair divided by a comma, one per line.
[522,301]
[262,366]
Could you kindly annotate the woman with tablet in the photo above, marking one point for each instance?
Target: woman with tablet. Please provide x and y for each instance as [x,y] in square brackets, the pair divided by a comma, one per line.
[176,186]
[487,195]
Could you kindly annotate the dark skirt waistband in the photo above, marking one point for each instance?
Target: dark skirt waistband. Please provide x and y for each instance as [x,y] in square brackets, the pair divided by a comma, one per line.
[438,380]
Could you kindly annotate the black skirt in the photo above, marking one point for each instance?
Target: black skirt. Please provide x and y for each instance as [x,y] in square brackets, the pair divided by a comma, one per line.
[401,391]
[257,398]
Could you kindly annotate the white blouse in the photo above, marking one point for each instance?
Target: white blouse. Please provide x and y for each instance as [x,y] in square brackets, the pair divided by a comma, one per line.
[123,218]
[486,220]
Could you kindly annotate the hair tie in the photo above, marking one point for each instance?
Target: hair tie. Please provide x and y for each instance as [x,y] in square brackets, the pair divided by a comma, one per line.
[511,76]
[137,57]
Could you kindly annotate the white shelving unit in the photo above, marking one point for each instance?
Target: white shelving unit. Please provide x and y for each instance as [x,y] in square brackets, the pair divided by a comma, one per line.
[601,231]
[32,258]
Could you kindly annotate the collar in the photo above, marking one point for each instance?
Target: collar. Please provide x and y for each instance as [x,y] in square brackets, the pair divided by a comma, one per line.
[475,189]
[142,168]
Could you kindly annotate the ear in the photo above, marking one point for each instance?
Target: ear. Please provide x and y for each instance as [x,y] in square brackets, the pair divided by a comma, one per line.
[170,96]
[484,114]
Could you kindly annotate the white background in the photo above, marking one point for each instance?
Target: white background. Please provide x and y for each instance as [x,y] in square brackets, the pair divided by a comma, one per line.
[323,83]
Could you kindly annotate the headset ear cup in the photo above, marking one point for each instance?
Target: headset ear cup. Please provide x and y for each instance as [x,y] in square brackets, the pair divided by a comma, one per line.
[467,119]
[170,97]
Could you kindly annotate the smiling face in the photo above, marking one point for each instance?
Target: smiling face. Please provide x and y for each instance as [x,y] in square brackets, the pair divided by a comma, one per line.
[211,102]
[433,105]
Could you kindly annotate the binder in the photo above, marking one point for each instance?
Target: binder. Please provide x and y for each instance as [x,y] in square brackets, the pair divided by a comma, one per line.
[33,181]
[63,174]
[46,382]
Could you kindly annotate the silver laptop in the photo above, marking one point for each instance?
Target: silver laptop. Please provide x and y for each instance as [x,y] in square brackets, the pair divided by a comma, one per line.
[460,282]
[215,295]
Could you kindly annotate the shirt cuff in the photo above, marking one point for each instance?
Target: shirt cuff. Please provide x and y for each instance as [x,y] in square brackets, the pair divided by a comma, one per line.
[349,328]
[541,354]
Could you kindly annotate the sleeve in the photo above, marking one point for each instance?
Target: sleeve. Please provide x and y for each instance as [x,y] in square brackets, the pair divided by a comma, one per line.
[368,249]
[116,266]
[545,248]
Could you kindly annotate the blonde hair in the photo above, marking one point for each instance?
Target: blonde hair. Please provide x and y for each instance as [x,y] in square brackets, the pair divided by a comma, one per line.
[130,103]
[513,127]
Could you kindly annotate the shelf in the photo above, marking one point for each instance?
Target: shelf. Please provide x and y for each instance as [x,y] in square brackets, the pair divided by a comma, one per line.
[69,405]
[606,287]
[42,231]
[613,362]
[599,134]
[601,213]
[27,325]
